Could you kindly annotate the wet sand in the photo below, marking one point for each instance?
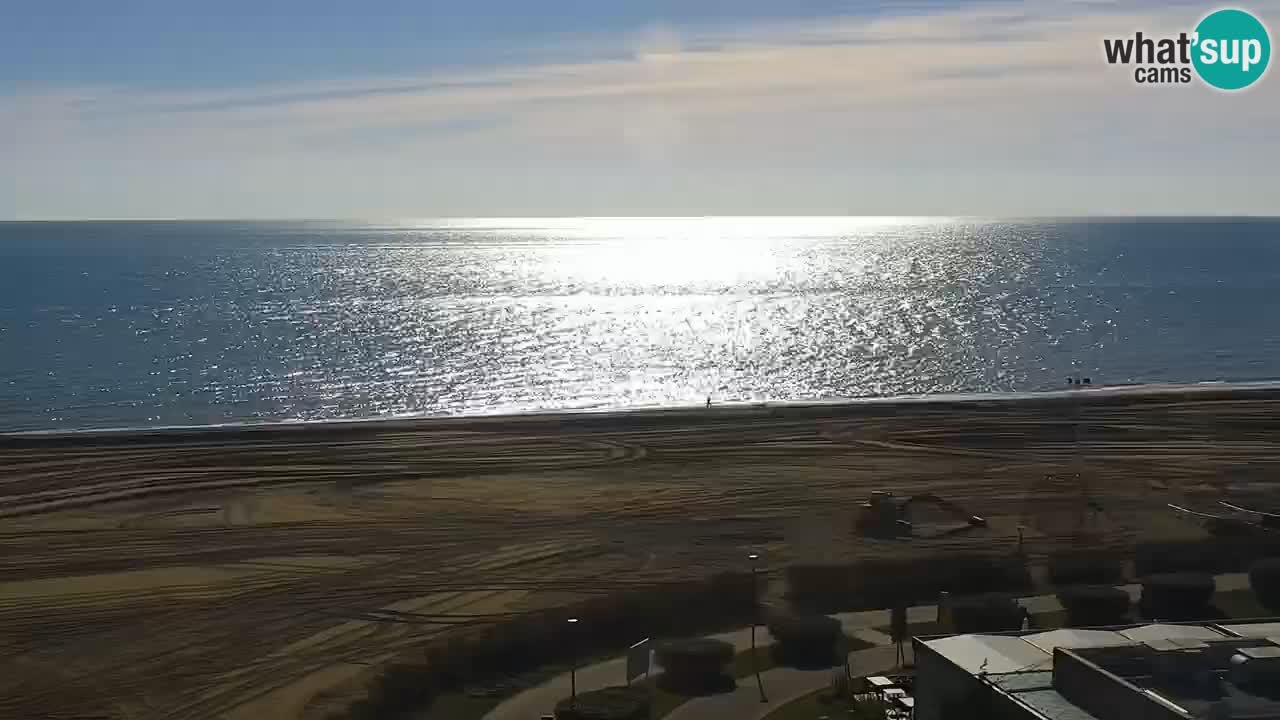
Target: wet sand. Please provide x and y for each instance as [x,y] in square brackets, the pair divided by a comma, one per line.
[258,572]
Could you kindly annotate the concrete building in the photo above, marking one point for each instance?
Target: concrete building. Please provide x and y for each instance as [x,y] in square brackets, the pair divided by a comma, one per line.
[1143,672]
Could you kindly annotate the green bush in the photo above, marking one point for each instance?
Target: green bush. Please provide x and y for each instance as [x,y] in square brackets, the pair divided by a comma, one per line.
[1094,605]
[613,703]
[693,664]
[1088,567]
[1264,578]
[1177,596]
[806,640]
[985,614]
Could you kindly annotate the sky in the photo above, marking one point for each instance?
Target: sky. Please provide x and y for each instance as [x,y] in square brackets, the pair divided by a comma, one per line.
[498,108]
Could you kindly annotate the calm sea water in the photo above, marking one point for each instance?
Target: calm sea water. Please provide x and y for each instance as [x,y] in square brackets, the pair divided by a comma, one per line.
[135,324]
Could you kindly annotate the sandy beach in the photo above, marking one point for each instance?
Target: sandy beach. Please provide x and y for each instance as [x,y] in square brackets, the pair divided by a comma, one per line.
[249,572]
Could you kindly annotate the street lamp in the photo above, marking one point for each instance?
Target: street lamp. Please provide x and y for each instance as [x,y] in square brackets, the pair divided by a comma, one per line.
[755,616]
[573,666]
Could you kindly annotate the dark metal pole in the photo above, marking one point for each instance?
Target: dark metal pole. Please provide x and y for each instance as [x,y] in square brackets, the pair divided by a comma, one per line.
[573,667]
[755,618]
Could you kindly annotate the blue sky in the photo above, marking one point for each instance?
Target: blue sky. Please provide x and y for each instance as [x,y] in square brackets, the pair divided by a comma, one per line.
[497,107]
[153,42]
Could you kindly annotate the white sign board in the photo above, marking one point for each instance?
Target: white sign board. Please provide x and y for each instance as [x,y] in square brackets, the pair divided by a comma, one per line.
[638,656]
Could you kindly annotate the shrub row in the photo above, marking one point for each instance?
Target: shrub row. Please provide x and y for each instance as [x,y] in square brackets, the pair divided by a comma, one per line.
[880,583]
[606,624]
[612,622]
[1209,555]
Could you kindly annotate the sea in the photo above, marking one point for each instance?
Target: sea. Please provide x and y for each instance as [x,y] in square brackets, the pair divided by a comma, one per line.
[143,324]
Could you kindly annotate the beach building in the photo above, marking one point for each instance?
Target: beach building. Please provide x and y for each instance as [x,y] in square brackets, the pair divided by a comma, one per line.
[1141,672]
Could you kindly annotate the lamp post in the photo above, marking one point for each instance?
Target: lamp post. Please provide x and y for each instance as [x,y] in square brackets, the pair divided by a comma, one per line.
[755,616]
[573,666]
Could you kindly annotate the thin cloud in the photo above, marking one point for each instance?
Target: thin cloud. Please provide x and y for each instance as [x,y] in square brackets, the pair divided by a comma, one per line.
[920,90]
[817,55]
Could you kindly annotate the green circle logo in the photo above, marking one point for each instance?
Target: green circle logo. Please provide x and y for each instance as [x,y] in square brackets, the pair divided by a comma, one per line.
[1232,49]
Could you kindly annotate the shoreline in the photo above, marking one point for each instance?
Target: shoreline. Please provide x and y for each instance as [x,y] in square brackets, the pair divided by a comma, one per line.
[620,418]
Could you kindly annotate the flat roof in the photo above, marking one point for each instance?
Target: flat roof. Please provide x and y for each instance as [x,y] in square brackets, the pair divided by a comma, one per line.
[1050,703]
[1021,682]
[1035,690]
[1138,664]
[991,653]
[1260,653]
[1021,665]
[1253,630]
[1019,653]
[1158,631]
[1031,651]
[1075,638]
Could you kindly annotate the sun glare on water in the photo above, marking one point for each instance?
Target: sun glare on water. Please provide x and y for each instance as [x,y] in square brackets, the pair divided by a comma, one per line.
[712,251]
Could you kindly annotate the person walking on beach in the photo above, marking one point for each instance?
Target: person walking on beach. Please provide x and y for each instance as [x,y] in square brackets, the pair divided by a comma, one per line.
[708,401]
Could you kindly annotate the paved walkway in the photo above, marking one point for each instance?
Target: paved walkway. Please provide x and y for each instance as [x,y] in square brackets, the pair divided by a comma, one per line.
[780,684]
[533,703]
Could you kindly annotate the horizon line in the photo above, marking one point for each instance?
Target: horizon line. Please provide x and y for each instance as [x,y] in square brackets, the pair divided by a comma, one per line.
[495,218]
